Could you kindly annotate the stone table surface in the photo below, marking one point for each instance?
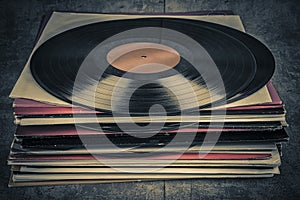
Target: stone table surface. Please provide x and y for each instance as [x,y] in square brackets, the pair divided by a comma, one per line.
[274,22]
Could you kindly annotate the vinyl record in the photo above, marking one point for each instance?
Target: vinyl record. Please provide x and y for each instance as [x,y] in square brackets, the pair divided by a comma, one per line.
[244,64]
[159,139]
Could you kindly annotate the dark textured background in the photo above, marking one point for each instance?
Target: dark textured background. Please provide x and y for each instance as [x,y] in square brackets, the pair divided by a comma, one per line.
[276,23]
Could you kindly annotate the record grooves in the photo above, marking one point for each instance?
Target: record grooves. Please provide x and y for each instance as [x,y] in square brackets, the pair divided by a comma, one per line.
[244,63]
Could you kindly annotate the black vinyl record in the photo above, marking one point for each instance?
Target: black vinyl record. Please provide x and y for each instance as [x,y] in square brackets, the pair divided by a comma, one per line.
[160,139]
[245,65]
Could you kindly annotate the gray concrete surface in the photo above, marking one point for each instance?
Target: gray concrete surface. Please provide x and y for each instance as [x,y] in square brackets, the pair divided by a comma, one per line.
[276,23]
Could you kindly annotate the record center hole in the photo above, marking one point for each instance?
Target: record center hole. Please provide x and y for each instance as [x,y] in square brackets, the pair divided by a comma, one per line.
[144,56]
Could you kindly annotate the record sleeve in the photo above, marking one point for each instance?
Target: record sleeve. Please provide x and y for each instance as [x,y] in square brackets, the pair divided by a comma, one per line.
[26,83]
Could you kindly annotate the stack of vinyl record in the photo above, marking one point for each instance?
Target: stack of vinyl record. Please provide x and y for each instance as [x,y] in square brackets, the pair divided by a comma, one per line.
[117,98]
